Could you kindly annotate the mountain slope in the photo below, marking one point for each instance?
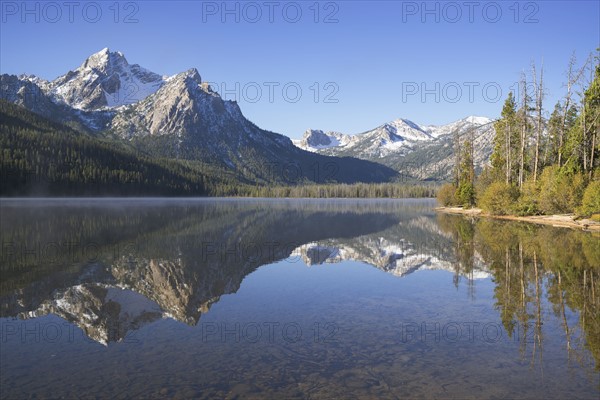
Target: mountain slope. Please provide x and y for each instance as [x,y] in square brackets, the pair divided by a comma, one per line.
[435,160]
[388,138]
[42,157]
[179,117]
[187,119]
[416,152]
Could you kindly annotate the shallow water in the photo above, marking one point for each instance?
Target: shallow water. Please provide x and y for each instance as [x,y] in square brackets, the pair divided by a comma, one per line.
[225,298]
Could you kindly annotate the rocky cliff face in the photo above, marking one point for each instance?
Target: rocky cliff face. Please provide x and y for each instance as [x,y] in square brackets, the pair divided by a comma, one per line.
[105,79]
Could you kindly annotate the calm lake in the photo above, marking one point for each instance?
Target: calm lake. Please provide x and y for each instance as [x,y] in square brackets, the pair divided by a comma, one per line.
[253,298]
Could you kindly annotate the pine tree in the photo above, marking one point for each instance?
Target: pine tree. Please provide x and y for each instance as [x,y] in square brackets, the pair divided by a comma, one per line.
[581,140]
[505,155]
[465,191]
[591,123]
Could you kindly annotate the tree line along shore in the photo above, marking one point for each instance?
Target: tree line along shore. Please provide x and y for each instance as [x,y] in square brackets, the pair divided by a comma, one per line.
[539,167]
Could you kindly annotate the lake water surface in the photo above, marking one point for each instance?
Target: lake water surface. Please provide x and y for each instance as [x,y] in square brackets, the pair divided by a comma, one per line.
[250,298]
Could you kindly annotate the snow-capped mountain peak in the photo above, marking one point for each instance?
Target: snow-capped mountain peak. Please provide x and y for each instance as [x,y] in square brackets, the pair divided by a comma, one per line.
[375,143]
[405,129]
[191,73]
[103,59]
[317,139]
[462,125]
[391,142]
[478,120]
[105,80]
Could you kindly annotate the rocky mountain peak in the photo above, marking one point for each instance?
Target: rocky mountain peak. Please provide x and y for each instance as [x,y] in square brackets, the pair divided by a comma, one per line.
[105,80]
[426,146]
[191,74]
[105,60]
[316,137]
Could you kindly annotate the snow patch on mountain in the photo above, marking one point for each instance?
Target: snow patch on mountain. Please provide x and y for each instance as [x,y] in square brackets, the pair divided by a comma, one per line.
[398,135]
[397,258]
[105,80]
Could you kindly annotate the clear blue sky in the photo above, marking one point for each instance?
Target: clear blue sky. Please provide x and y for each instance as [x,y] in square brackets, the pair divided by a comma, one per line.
[377,57]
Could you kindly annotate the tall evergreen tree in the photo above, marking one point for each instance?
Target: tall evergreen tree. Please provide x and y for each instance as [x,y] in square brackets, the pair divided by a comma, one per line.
[580,140]
[504,158]
[591,123]
[465,191]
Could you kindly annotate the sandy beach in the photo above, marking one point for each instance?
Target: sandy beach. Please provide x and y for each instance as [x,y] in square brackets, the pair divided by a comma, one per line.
[560,220]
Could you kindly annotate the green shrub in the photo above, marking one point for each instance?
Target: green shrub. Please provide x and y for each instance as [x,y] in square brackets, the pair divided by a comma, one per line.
[560,192]
[577,184]
[498,198]
[528,199]
[483,180]
[591,200]
[549,202]
[446,195]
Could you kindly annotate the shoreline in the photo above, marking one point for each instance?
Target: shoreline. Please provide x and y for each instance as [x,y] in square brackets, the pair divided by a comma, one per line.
[558,220]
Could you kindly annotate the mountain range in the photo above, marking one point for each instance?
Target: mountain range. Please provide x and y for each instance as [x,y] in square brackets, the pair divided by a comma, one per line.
[181,117]
[420,152]
[177,117]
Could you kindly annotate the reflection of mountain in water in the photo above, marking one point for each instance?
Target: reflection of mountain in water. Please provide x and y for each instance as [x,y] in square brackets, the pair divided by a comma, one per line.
[396,250]
[105,313]
[154,261]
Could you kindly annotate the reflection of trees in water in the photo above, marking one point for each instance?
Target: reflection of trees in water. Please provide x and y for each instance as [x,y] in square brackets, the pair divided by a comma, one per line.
[524,260]
[462,231]
[159,252]
[41,240]
[182,257]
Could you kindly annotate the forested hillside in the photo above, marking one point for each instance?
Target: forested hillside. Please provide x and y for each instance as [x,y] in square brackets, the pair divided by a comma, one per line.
[40,157]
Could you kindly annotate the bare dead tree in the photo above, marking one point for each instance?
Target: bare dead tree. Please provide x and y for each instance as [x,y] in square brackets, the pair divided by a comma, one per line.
[584,117]
[538,342]
[573,76]
[523,129]
[564,316]
[539,95]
